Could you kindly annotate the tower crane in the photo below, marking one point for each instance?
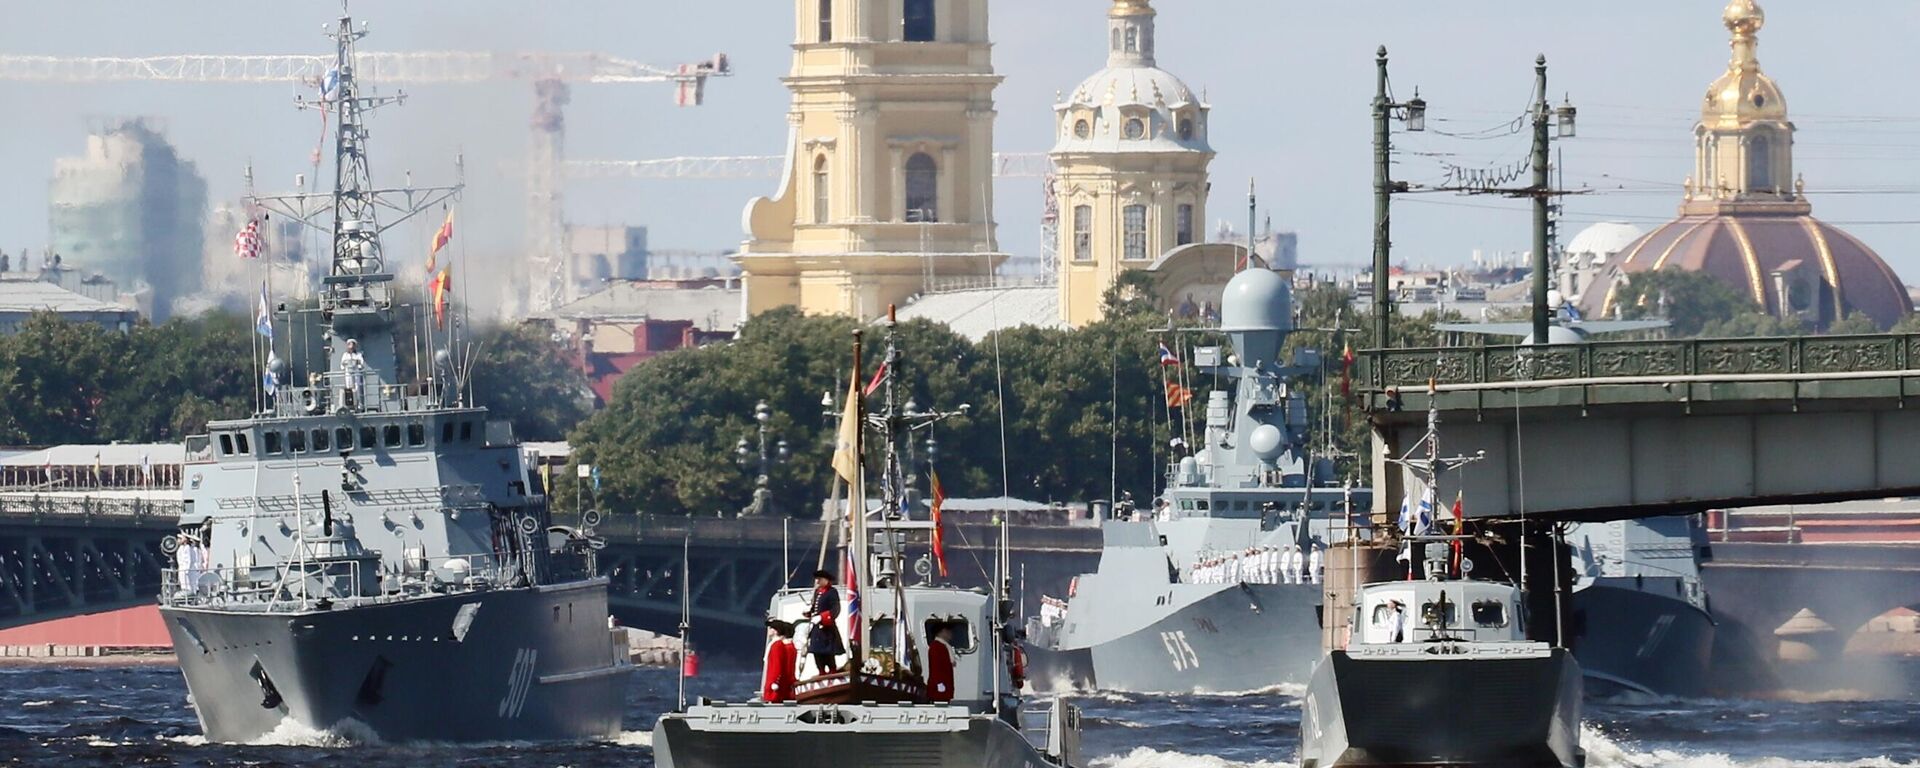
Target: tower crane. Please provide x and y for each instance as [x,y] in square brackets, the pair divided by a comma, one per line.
[552,75]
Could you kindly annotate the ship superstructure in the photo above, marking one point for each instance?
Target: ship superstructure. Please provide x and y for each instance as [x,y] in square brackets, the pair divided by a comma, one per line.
[884,700]
[1218,587]
[369,555]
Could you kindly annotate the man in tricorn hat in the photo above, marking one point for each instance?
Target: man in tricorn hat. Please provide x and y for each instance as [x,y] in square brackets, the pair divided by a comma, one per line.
[776,680]
[823,642]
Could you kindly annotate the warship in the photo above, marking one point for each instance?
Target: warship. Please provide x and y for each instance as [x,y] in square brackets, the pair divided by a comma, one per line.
[368,557]
[881,701]
[1641,621]
[1441,670]
[1218,587]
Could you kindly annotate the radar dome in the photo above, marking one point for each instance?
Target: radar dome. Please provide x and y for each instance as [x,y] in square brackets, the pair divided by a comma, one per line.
[1266,442]
[1257,300]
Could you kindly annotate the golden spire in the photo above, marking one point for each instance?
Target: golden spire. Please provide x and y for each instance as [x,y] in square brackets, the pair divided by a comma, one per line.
[1744,18]
[1123,8]
[1743,94]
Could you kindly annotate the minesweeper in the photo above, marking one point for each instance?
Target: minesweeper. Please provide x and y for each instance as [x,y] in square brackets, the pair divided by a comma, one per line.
[1218,588]
[1441,670]
[369,557]
[916,675]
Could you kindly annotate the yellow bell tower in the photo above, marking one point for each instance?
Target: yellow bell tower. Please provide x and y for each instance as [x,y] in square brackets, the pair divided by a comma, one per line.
[888,189]
[1743,146]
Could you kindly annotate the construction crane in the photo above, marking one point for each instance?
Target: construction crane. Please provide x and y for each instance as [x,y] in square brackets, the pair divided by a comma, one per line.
[1006,165]
[548,283]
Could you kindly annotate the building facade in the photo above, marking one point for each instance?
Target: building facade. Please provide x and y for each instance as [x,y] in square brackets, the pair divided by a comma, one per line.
[133,210]
[1130,156]
[888,185]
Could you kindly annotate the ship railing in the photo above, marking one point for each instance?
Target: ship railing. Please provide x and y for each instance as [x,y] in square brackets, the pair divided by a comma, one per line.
[298,584]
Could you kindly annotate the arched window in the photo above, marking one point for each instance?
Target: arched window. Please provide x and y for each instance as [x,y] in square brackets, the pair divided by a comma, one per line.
[916,17]
[1183,224]
[1759,164]
[826,21]
[1083,233]
[923,188]
[822,193]
[1133,39]
[1134,220]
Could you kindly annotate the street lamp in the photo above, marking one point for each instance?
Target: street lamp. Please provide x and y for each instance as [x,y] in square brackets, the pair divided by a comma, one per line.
[743,452]
[1563,116]
[1385,111]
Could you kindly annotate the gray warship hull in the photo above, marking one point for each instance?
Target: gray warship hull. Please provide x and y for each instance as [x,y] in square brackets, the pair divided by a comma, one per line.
[1435,709]
[826,736]
[521,668]
[1640,636]
[1242,637]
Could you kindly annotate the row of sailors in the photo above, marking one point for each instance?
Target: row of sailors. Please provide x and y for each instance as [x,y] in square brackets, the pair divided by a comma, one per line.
[1263,565]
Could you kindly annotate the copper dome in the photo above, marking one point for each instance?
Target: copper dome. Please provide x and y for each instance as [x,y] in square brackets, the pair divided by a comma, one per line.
[1748,251]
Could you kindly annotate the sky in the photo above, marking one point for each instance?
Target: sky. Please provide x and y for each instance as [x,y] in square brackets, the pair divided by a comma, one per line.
[1289,82]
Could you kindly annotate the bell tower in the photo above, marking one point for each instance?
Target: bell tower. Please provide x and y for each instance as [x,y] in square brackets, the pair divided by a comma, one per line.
[888,190]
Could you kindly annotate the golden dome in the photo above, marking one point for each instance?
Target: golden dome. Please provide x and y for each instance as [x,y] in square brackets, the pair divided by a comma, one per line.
[1744,94]
[1122,8]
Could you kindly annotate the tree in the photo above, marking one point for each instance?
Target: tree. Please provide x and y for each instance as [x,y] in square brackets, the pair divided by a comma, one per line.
[173,378]
[1856,322]
[1749,324]
[57,374]
[1134,292]
[1908,324]
[522,375]
[1690,300]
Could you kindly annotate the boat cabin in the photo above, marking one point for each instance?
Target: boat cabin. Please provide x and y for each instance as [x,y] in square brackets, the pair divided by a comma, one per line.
[1432,611]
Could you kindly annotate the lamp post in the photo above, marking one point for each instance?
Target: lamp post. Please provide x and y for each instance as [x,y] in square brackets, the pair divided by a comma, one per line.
[1386,110]
[743,454]
[1542,192]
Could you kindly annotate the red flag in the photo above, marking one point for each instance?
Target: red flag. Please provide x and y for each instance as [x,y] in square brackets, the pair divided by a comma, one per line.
[939,541]
[1346,371]
[442,286]
[1178,396]
[440,240]
[1459,527]
[879,377]
[247,243]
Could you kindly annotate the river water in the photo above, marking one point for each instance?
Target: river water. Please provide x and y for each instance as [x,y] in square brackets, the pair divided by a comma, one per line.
[137,716]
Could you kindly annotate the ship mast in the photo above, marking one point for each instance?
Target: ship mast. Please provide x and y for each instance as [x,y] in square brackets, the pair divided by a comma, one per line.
[356,302]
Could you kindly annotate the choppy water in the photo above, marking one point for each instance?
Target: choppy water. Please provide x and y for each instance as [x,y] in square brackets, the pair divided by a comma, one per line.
[137,716]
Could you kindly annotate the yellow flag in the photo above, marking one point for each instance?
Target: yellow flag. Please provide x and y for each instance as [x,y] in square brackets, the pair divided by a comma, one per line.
[846,446]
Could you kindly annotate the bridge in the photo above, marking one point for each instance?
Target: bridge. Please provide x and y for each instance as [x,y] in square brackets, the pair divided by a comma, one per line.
[1620,429]
[63,554]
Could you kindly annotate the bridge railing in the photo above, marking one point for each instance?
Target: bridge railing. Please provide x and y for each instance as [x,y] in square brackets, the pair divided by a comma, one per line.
[1761,357]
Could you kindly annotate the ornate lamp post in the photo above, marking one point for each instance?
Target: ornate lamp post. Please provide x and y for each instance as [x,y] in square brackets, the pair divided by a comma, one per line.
[743,454]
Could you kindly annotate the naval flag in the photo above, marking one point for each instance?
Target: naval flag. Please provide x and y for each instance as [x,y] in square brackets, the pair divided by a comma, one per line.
[263,316]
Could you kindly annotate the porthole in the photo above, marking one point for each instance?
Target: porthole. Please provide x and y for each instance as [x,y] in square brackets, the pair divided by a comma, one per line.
[1136,128]
[1082,129]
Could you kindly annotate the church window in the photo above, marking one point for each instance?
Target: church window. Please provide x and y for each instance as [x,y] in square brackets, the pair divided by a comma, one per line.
[1135,128]
[826,21]
[1134,218]
[821,191]
[1183,224]
[1083,233]
[1186,129]
[917,21]
[923,188]
[1133,40]
[1116,39]
[1082,129]
[1759,165]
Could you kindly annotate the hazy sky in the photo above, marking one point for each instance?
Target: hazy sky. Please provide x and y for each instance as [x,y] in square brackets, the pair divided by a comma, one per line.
[1289,81]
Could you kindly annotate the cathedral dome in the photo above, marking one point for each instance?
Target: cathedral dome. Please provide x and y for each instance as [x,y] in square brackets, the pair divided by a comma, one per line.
[1132,105]
[1787,264]
[1599,241]
[1745,219]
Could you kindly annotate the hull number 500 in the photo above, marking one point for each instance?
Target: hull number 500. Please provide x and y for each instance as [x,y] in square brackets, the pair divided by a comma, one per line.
[1183,656]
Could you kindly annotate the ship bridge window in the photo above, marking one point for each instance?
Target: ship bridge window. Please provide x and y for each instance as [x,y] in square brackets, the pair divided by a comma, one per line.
[320,441]
[1381,613]
[240,443]
[466,431]
[369,438]
[296,441]
[343,438]
[446,432]
[270,442]
[391,435]
[1442,613]
[962,638]
[416,435]
[1490,613]
[226,444]
[1200,504]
